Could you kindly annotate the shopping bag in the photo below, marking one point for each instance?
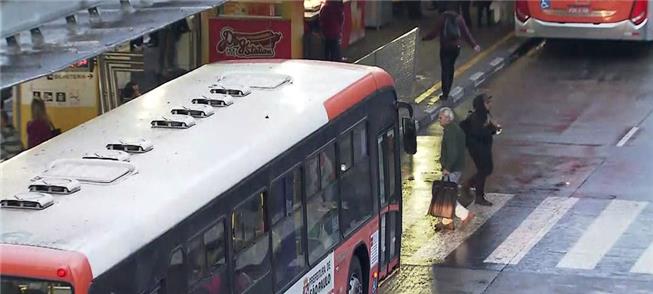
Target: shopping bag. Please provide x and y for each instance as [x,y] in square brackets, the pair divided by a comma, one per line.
[444,194]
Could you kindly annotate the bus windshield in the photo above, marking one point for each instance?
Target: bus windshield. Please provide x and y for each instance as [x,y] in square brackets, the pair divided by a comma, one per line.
[14,285]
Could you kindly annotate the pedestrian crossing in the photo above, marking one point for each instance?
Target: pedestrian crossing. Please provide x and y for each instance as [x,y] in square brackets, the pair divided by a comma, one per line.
[588,245]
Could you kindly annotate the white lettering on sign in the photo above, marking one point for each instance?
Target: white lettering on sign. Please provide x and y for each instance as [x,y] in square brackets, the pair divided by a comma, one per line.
[319,280]
[374,250]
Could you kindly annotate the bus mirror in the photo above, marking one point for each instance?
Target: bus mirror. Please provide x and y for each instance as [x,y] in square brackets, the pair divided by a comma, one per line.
[410,135]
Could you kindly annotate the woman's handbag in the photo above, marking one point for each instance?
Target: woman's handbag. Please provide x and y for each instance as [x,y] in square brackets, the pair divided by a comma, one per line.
[444,194]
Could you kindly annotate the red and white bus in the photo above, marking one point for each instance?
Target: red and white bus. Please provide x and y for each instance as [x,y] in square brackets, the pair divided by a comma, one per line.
[264,176]
[585,19]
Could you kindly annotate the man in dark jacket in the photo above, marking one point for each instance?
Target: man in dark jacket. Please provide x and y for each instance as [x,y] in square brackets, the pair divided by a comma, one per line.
[479,143]
[450,21]
[332,17]
[452,160]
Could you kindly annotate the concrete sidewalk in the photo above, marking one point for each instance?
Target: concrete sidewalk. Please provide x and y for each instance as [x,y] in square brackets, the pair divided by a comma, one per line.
[498,44]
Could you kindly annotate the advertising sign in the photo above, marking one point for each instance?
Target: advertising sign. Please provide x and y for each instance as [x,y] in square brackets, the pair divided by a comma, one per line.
[317,281]
[231,39]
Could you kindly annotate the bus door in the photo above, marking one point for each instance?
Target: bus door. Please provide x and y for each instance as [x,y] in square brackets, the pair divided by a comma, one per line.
[389,195]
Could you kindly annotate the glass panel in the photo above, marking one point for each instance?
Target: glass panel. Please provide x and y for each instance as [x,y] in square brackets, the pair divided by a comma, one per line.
[345,155]
[392,232]
[356,196]
[288,248]
[360,142]
[390,153]
[215,245]
[384,260]
[322,217]
[297,189]
[252,264]
[197,260]
[277,200]
[176,279]
[248,222]
[381,171]
[14,285]
[312,175]
[327,165]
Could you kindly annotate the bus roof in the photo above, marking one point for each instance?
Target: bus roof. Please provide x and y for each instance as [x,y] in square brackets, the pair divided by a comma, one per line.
[187,167]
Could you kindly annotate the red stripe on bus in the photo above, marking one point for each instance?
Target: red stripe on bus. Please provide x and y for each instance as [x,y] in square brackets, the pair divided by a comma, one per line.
[356,92]
[43,263]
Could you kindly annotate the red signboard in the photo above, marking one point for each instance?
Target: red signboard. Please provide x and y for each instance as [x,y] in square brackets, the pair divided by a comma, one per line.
[249,38]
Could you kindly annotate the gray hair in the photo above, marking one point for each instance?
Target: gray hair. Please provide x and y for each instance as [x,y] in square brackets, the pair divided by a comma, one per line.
[447,112]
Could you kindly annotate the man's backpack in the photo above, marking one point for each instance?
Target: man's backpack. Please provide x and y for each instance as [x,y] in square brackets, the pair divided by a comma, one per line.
[450,29]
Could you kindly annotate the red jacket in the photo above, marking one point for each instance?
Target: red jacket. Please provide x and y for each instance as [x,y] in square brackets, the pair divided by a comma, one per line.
[38,131]
[332,16]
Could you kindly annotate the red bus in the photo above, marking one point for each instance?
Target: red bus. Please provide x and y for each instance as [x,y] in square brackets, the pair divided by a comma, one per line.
[264,176]
[585,19]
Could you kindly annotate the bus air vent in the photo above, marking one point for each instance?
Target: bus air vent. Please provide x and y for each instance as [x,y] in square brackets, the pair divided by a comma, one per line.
[174,122]
[28,200]
[114,155]
[258,80]
[231,90]
[199,110]
[55,186]
[215,100]
[87,171]
[131,146]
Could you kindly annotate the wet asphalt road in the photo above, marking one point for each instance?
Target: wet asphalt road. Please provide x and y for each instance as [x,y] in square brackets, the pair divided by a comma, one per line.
[573,211]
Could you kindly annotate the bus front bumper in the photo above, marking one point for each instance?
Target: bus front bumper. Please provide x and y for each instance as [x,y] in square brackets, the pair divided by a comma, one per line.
[624,30]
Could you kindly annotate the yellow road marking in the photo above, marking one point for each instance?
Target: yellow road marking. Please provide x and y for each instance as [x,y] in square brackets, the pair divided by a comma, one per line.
[461,70]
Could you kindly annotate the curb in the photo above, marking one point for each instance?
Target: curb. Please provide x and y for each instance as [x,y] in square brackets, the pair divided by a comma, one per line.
[468,84]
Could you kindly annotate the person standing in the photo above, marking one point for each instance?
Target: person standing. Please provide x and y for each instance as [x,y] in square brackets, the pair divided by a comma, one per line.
[40,127]
[332,18]
[451,28]
[452,160]
[483,7]
[463,8]
[481,129]
[10,144]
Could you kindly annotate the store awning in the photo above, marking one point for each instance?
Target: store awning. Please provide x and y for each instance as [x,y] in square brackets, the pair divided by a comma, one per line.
[42,37]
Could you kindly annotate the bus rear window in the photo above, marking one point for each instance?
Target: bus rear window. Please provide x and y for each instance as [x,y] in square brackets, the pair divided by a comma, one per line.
[14,285]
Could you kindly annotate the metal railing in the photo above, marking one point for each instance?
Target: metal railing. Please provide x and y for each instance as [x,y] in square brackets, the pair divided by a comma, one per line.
[398,58]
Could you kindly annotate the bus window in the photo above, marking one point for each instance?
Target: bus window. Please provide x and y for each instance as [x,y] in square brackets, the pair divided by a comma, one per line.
[360,142]
[250,241]
[287,245]
[312,175]
[386,146]
[356,199]
[13,285]
[196,259]
[327,165]
[322,209]
[214,244]
[345,154]
[175,279]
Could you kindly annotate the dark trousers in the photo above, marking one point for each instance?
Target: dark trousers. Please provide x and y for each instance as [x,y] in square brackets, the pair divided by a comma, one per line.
[463,7]
[448,58]
[482,157]
[484,8]
[332,50]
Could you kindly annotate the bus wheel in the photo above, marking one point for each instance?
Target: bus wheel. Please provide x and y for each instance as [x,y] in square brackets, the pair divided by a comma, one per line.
[355,276]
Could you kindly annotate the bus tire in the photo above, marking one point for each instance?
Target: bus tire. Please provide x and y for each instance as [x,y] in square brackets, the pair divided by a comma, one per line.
[355,281]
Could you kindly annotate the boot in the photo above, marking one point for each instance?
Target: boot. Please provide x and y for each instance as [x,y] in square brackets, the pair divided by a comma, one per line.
[480,200]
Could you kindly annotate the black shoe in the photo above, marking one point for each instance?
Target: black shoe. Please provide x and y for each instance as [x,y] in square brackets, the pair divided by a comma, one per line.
[482,201]
[444,98]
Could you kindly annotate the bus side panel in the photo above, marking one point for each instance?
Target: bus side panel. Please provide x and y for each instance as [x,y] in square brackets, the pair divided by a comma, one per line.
[367,236]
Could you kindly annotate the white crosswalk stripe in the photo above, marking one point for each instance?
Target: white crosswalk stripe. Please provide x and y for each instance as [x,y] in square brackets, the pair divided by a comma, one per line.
[438,247]
[602,234]
[531,230]
[644,264]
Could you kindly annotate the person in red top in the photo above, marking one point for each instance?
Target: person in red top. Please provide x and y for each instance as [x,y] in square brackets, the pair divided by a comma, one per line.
[332,17]
[451,29]
[40,128]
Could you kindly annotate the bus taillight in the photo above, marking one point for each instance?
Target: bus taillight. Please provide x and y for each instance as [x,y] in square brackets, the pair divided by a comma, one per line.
[522,11]
[638,14]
